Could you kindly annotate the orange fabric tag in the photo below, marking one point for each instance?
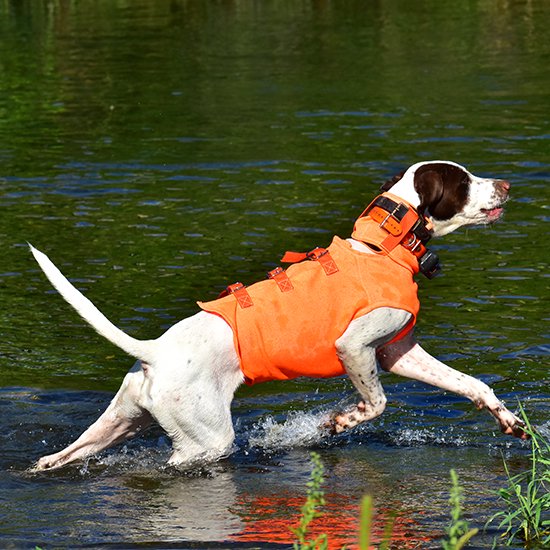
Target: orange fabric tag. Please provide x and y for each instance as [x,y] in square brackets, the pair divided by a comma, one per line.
[281,278]
[241,294]
[328,264]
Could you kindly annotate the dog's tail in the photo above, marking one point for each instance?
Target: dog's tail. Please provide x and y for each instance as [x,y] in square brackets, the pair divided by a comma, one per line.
[140,349]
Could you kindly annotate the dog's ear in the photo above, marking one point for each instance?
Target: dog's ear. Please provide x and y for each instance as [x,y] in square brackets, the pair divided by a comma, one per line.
[390,183]
[429,186]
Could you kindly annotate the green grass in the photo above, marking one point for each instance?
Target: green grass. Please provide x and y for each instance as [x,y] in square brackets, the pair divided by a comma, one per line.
[365,526]
[315,498]
[526,498]
[458,532]
[310,510]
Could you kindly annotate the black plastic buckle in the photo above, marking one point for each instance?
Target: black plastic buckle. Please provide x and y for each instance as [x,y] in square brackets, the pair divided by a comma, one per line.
[421,231]
[429,264]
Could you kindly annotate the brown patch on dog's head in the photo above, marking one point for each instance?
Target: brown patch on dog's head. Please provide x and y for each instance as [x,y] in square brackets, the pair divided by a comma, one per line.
[443,188]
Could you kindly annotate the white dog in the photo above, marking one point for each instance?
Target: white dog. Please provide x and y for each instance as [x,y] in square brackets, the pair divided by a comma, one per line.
[292,325]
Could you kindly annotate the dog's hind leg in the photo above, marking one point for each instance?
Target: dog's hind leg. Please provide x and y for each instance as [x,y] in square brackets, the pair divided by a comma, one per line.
[122,419]
[192,384]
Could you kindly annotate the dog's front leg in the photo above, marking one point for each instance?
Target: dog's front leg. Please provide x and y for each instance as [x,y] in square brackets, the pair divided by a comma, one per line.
[356,349]
[406,358]
[361,368]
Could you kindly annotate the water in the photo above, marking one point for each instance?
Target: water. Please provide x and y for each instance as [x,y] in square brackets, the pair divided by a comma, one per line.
[161,150]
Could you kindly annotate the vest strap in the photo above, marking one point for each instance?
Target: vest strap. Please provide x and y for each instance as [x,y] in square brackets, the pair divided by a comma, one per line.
[241,294]
[401,225]
[281,278]
[386,220]
[321,255]
[294,257]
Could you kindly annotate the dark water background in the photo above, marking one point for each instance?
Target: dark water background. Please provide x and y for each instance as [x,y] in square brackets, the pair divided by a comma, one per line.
[158,150]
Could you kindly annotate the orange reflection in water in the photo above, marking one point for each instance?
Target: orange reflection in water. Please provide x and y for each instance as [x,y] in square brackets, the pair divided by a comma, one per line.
[269,519]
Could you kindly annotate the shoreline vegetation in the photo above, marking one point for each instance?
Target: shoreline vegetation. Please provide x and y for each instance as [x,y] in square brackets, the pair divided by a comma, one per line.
[524,519]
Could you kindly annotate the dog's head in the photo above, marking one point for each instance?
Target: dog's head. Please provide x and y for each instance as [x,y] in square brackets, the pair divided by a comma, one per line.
[449,195]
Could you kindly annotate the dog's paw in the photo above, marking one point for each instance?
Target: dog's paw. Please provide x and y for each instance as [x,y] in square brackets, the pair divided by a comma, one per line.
[45,463]
[50,462]
[341,421]
[330,426]
[509,423]
[337,423]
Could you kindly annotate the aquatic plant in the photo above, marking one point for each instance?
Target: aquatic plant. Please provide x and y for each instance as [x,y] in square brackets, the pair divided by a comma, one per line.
[315,498]
[527,499]
[365,526]
[458,532]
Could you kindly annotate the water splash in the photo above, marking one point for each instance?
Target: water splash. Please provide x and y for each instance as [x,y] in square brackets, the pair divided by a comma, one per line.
[299,429]
[426,436]
[137,457]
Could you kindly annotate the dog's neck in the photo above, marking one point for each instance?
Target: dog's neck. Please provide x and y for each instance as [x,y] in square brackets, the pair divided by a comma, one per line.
[392,226]
[389,220]
[404,189]
[360,246]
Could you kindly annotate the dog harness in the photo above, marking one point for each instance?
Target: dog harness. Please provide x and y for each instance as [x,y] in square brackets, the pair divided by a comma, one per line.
[287,326]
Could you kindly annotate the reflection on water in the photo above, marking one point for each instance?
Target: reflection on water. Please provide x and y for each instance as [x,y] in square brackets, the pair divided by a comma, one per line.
[195,509]
[160,150]
[253,495]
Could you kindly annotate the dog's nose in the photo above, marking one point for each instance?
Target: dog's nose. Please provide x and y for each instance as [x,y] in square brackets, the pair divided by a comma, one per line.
[502,188]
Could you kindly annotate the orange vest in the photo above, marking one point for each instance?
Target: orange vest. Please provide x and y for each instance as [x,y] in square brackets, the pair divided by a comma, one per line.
[292,333]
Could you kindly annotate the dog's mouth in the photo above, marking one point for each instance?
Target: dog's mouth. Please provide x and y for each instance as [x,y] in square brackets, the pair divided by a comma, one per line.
[492,214]
[500,197]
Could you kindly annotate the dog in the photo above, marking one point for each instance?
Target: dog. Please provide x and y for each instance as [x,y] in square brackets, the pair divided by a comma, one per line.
[185,380]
